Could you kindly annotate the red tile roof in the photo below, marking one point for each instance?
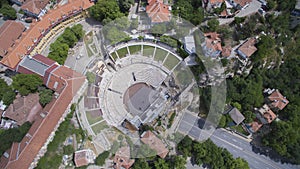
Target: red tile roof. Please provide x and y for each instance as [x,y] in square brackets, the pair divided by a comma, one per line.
[248,48]
[256,125]
[155,143]
[216,1]
[10,31]
[41,129]
[34,6]
[213,41]
[24,108]
[122,158]
[37,30]
[158,11]
[242,2]
[278,100]
[83,157]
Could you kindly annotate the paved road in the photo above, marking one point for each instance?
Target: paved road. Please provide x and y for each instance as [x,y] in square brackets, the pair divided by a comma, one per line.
[236,145]
[252,8]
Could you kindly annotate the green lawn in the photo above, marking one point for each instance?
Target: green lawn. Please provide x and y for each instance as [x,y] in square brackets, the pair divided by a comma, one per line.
[94,48]
[171,62]
[88,39]
[114,55]
[98,127]
[160,54]
[122,52]
[135,49]
[91,119]
[148,50]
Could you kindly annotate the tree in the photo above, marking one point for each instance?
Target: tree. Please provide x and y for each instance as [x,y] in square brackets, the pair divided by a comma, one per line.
[140,163]
[249,116]
[240,163]
[213,24]
[179,162]
[68,37]
[161,164]
[26,83]
[8,97]
[91,77]
[8,12]
[45,96]
[58,52]
[222,122]
[125,5]
[237,105]
[134,24]
[78,31]
[68,149]
[100,160]
[169,40]
[105,11]
[12,135]
[114,35]
[158,29]
[122,23]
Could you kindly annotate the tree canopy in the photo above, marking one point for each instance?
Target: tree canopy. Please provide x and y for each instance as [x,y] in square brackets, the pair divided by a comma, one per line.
[59,49]
[45,96]
[190,10]
[106,10]
[8,12]
[26,83]
[7,95]
[100,160]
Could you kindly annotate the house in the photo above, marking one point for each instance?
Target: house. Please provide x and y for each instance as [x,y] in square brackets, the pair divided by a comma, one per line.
[10,32]
[212,45]
[154,143]
[35,8]
[189,44]
[266,115]
[23,109]
[277,101]
[255,126]
[157,11]
[212,3]
[226,51]
[84,157]
[122,158]
[247,49]
[37,64]
[40,29]
[240,4]
[32,147]
[236,116]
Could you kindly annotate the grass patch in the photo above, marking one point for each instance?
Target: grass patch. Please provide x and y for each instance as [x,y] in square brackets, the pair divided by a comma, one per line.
[122,52]
[114,55]
[92,119]
[148,50]
[89,51]
[239,129]
[171,61]
[93,46]
[98,127]
[135,49]
[160,54]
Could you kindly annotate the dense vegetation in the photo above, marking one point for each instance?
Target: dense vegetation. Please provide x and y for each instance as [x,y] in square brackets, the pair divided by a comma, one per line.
[190,10]
[45,96]
[7,94]
[100,160]
[284,135]
[56,149]
[7,11]
[12,135]
[59,49]
[26,83]
[209,154]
